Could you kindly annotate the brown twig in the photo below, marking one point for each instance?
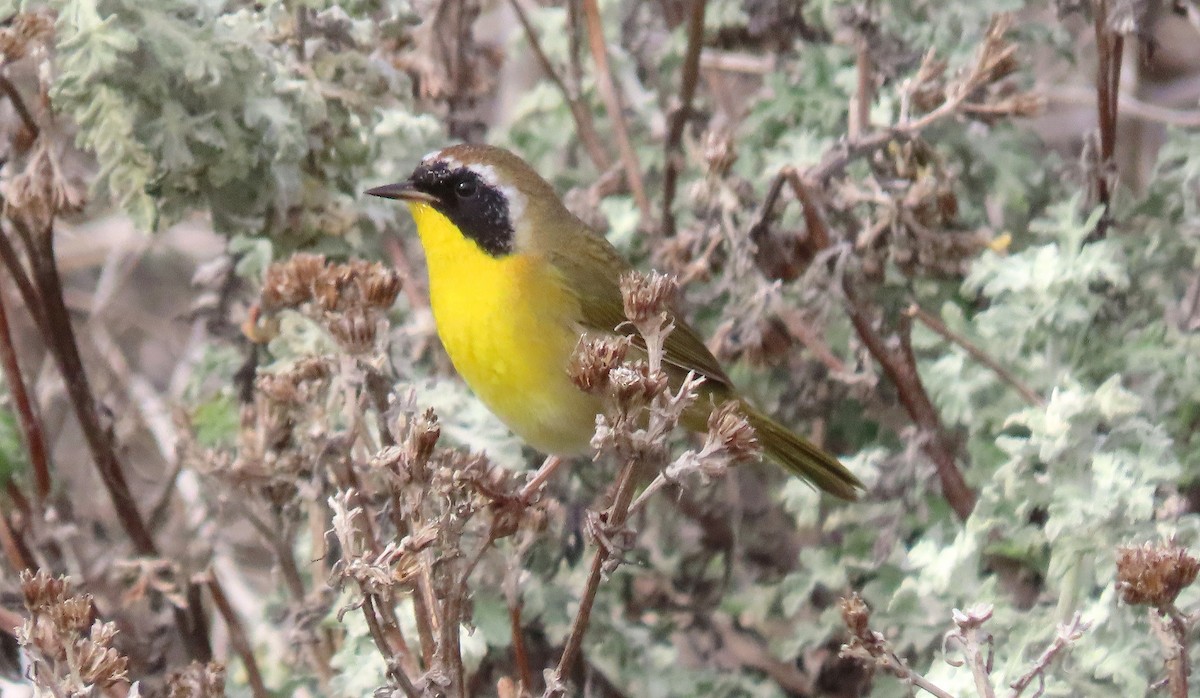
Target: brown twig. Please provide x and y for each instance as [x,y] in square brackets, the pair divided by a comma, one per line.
[579,109]
[935,324]
[237,637]
[14,548]
[901,368]
[613,105]
[29,295]
[65,349]
[520,653]
[680,113]
[60,339]
[899,364]
[14,98]
[860,103]
[394,669]
[1109,45]
[31,423]
[1129,106]
[1171,629]
[614,518]
[1068,634]
[873,648]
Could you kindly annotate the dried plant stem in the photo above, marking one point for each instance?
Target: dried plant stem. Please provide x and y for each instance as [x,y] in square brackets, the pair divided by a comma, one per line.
[10,621]
[520,653]
[614,517]
[14,98]
[901,368]
[19,556]
[29,295]
[579,110]
[613,105]
[1109,46]
[935,324]
[237,638]
[1068,633]
[860,103]
[1129,106]
[1171,629]
[678,116]
[31,423]
[540,477]
[394,670]
[64,347]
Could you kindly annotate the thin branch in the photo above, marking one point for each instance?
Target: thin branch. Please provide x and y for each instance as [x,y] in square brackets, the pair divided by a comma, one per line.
[612,104]
[680,113]
[381,643]
[31,423]
[1171,629]
[579,109]
[1068,634]
[899,365]
[1128,106]
[614,518]
[860,103]
[14,98]
[29,295]
[935,324]
[65,349]
[520,653]
[19,557]
[1109,45]
[237,637]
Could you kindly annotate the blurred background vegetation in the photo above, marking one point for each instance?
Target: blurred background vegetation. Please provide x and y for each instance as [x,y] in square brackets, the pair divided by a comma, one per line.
[961,249]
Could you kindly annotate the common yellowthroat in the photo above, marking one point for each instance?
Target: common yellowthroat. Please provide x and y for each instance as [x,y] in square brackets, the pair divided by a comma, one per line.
[515,279]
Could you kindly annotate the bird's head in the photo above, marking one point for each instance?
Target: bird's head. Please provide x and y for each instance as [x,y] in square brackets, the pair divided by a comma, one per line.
[494,197]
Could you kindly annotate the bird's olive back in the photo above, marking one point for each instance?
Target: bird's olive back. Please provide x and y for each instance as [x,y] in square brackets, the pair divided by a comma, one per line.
[479,209]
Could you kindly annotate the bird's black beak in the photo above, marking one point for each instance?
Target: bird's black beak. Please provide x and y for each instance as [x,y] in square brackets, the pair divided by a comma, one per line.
[404,191]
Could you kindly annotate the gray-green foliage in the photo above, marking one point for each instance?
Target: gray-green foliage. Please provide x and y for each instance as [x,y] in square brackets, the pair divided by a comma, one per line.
[215,107]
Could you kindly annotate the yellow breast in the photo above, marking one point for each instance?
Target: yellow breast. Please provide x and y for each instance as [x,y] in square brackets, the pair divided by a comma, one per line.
[509,325]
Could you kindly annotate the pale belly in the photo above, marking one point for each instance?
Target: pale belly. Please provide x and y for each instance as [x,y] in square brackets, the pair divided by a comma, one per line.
[509,330]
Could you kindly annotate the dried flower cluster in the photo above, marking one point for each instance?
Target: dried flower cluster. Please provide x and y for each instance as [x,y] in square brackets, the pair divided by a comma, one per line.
[197,680]
[70,649]
[348,299]
[1154,574]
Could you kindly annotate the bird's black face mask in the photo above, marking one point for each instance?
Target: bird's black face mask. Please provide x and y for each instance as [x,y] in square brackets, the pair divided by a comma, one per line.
[479,209]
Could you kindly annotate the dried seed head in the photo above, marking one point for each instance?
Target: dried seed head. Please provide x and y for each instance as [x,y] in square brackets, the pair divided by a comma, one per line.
[43,591]
[729,431]
[307,267]
[74,615]
[100,666]
[197,680]
[379,286]
[355,331]
[857,617]
[647,296]
[25,29]
[425,434]
[327,291]
[310,370]
[1153,575]
[720,152]
[592,360]
[634,385]
[287,284]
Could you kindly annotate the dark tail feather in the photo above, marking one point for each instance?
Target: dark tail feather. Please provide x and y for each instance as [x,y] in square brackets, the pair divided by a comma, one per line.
[801,457]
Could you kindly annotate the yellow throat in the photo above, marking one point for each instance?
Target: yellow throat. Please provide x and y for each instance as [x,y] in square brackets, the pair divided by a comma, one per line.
[509,324]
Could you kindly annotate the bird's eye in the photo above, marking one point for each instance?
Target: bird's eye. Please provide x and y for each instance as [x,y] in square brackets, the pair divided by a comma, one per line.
[465,189]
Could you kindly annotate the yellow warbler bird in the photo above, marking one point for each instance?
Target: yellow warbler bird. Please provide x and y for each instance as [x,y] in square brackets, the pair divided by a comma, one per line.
[515,279]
